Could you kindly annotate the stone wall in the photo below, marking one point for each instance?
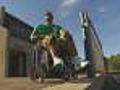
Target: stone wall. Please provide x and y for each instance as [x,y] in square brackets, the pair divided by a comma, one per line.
[3,49]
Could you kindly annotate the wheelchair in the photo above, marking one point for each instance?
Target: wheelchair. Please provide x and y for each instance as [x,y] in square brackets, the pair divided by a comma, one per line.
[47,64]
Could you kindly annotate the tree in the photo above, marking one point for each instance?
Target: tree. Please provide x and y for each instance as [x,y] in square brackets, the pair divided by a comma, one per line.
[114,62]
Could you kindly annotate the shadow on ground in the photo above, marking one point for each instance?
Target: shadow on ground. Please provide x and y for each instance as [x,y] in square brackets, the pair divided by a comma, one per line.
[105,82]
[81,80]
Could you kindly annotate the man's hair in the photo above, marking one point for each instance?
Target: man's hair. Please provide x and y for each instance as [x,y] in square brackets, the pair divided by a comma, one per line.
[48,13]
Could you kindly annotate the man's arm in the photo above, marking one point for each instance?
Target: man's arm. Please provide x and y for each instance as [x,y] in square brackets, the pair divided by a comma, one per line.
[57,31]
[33,36]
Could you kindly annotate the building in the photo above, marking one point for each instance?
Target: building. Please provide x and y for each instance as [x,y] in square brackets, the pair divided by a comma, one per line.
[15,45]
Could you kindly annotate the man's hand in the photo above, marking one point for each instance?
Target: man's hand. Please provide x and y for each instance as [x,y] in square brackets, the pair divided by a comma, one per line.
[62,35]
[33,37]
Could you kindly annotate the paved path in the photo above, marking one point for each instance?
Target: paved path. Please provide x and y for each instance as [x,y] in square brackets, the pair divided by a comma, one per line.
[27,84]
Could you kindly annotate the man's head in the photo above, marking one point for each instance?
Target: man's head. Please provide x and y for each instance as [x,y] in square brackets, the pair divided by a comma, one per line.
[48,17]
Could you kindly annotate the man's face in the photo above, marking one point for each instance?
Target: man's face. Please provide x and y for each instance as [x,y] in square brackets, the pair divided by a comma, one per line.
[48,20]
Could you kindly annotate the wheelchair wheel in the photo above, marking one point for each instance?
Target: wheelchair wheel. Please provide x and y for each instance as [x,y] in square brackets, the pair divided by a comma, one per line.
[36,76]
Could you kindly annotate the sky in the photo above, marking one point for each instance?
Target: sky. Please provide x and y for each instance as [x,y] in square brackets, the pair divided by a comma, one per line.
[105,15]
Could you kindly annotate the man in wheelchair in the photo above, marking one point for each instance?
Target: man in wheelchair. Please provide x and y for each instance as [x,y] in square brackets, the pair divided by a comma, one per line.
[52,41]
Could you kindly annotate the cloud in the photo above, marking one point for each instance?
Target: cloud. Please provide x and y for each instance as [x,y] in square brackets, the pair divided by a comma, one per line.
[102,10]
[64,13]
[68,3]
[67,7]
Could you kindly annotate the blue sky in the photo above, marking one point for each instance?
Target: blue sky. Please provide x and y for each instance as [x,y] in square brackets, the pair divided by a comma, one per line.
[105,15]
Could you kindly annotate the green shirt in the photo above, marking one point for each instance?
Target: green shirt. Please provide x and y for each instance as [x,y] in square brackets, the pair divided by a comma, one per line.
[42,30]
